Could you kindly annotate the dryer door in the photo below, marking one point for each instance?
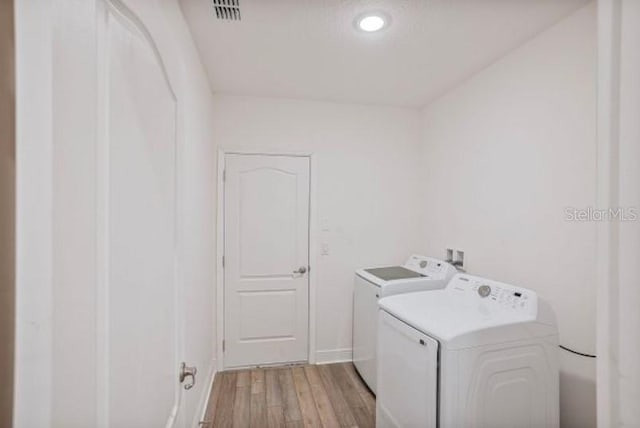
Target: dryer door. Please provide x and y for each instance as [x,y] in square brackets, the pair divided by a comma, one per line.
[407,376]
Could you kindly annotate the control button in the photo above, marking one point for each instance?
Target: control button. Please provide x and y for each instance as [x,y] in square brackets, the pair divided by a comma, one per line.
[423,264]
[484,290]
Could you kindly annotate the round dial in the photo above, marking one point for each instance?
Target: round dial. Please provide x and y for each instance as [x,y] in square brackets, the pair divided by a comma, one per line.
[423,264]
[484,290]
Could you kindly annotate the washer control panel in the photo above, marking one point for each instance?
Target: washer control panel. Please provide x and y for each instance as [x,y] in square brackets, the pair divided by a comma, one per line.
[428,266]
[495,294]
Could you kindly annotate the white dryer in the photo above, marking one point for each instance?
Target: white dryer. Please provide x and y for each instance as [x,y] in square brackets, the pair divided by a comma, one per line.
[478,354]
[417,274]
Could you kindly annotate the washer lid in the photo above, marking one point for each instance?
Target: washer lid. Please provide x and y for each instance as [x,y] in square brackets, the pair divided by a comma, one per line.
[391,273]
[471,311]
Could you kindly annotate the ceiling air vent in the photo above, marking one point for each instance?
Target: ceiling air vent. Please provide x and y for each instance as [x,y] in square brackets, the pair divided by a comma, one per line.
[227,9]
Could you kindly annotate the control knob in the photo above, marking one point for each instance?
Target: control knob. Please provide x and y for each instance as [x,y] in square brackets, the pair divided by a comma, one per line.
[484,290]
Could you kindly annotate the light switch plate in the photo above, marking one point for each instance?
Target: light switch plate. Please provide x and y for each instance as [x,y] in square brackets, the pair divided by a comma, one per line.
[324,249]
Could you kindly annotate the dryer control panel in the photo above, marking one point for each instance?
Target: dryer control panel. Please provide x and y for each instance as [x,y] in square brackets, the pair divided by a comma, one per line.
[429,267]
[495,294]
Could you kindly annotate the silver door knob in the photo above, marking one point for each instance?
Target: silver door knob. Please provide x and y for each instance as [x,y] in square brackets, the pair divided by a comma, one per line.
[185,372]
[301,270]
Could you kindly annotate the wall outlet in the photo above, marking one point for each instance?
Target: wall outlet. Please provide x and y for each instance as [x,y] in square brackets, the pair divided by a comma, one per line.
[456,258]
[449,258]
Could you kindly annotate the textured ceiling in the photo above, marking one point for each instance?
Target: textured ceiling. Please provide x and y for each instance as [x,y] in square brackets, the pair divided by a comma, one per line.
[310,48]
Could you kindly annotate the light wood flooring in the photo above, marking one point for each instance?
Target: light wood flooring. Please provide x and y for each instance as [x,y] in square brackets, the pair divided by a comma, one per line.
[327,396]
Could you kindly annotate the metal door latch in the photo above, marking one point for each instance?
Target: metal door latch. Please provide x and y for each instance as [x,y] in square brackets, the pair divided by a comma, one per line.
[301,270]
[186,372]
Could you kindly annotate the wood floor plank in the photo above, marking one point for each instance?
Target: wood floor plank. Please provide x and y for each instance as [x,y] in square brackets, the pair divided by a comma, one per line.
[274,392]
[291,406]
[257,381]
[351,395]
[367,396]
[275,417]
[213,399]
[258,399]
[224,412]
[364,418]
[340,406]
[294,397]
[310,415]
[244,378]
[363,413]
[242,406]
[325,410]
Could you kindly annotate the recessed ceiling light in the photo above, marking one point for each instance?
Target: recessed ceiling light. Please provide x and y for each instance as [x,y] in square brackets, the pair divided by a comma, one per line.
[371,22]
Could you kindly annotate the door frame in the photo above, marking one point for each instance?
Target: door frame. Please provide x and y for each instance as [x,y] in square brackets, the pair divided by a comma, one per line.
[313,256]
[614,110]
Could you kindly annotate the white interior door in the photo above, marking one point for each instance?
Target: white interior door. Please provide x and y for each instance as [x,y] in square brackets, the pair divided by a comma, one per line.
[266,290]
[141,298]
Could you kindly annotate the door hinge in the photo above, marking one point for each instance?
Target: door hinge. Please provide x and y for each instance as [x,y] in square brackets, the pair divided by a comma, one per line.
[222,261]
[223,345]
[224,175]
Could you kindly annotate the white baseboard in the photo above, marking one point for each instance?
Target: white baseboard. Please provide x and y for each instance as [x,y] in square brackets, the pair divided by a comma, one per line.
[206,393]
[328,356]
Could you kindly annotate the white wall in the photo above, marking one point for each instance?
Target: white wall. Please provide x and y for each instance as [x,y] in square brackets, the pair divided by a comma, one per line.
[58,107]
[503,155]
[365,167]
[32,395]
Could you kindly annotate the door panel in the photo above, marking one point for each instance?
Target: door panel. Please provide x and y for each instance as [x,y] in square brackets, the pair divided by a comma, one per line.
[267,314]
[266,240]
[141,297]
[268,232]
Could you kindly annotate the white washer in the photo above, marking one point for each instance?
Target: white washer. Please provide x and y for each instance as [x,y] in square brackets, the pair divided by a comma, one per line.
[478,354]
[419,273]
